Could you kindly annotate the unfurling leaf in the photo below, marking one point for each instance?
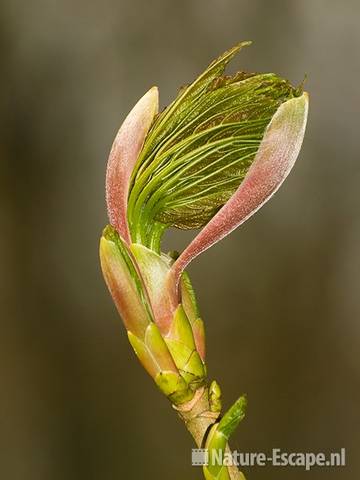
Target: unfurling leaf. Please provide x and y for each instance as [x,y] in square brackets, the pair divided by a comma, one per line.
[200,148]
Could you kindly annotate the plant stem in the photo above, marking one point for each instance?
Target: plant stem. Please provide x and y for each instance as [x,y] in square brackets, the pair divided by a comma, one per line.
[198,418]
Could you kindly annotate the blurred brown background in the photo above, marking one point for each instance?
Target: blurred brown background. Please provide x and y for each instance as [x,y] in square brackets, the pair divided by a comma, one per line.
[280,296]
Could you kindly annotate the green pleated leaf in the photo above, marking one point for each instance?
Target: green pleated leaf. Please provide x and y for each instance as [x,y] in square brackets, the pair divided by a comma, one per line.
[200,148]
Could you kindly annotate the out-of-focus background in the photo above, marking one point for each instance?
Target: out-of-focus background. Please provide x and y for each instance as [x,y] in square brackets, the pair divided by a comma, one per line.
[280,296]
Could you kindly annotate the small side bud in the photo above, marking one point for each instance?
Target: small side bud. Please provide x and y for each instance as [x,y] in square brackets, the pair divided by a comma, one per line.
[215,396]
